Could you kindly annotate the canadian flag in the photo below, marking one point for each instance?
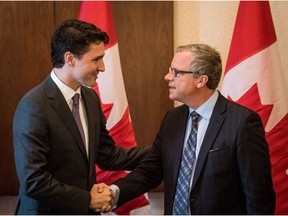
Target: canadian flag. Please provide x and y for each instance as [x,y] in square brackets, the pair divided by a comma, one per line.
[110,88]
[254,78]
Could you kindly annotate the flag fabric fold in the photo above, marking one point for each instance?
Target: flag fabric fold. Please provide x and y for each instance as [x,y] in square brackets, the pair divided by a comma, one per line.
[254,78]
[111,90]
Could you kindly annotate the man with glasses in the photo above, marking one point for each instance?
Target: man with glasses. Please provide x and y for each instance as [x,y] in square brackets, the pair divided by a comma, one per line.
[211,153]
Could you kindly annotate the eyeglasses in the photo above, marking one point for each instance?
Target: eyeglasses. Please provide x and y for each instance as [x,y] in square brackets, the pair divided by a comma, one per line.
[177,72]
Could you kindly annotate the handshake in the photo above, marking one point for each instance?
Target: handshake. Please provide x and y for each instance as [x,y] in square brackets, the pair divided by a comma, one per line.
[102,198]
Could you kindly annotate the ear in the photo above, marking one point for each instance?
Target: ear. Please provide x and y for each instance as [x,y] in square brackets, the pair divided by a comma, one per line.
[69,58]
[203,79]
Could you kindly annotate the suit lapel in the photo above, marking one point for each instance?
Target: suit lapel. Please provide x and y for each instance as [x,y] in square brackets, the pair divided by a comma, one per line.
[60,105]
[213,129]
[93,111]
[91,118]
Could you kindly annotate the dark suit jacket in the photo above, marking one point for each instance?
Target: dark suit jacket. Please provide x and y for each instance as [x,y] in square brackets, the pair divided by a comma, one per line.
[54,171]
[233,170]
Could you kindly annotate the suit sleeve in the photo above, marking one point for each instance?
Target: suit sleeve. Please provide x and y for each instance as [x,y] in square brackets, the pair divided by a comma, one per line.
[255,167]
[143,178]
[31,146]
[146,176]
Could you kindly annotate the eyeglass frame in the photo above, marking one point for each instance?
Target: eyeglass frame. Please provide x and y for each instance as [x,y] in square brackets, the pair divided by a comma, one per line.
[175,72]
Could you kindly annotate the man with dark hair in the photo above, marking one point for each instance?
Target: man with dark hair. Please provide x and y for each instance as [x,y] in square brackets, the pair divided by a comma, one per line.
[60,131]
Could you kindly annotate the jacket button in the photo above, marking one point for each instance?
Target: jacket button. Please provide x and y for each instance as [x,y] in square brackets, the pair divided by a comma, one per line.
[192,200]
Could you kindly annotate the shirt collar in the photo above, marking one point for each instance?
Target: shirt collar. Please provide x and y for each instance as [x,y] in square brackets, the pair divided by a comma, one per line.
[206,109]
[67,92]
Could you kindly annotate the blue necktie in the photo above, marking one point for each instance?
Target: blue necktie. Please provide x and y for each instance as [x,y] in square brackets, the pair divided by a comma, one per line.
[76,114]
[181,202]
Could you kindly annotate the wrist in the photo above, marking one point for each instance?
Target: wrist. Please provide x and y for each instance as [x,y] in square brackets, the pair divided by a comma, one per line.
[116,192]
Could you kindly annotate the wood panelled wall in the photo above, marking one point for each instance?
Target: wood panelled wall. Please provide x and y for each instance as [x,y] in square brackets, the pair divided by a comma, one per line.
[145,37]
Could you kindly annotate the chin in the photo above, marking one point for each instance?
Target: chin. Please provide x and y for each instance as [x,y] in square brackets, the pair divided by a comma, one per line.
[171,97]
[90,84]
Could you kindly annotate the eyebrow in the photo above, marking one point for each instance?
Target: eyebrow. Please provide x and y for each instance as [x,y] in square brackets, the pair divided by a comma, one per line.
[98,57]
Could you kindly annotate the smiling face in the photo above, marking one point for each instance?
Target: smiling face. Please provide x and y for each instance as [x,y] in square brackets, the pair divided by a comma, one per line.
[85,70]
[183,87]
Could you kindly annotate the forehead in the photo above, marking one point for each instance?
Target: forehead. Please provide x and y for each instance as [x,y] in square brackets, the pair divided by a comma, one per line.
[182,58]
[96,50]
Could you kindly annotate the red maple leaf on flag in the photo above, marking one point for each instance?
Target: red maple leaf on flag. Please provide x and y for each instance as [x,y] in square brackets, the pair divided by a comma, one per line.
[254,78]
[276,137]
[111,92]
[251,99]
[124,140]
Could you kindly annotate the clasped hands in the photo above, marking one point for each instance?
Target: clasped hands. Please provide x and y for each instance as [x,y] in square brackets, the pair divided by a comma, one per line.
[102,198]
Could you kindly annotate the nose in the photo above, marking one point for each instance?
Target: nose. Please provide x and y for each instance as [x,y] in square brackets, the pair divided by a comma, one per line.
[169,76]
[101,67]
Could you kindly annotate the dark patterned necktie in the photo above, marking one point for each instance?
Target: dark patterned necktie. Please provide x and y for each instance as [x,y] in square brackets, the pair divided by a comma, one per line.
[181,202]
[75,111]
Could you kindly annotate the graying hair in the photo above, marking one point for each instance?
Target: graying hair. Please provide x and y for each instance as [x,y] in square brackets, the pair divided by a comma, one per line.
[205,61]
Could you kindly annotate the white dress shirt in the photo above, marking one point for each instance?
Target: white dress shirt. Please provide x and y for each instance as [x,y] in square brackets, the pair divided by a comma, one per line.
[205,112]
[68,94]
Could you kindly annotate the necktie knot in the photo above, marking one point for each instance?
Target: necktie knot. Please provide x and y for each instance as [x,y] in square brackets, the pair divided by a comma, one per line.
[195,117]
[76,99]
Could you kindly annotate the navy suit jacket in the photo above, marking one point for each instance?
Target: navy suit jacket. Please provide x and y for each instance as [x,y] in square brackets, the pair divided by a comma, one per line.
[53,168]
[233,170]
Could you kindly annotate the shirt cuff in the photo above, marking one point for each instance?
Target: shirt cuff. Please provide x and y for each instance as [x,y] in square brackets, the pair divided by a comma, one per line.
[116,191]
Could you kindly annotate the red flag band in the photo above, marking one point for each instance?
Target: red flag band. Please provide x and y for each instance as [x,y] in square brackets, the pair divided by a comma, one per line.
[255,79]
[114,103]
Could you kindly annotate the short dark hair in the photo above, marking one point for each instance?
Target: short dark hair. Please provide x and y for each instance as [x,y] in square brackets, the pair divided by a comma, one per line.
[74,36]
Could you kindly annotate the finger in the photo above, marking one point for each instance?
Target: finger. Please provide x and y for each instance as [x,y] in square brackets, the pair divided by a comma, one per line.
[112,194]
[103,208]
[106,209]
[109,208]
[112,202]
[100,188]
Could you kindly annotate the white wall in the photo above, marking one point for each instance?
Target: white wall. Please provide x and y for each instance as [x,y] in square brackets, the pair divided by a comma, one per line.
[212,22]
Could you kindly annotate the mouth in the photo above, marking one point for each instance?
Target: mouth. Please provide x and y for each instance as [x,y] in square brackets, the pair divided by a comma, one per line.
[171,87]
